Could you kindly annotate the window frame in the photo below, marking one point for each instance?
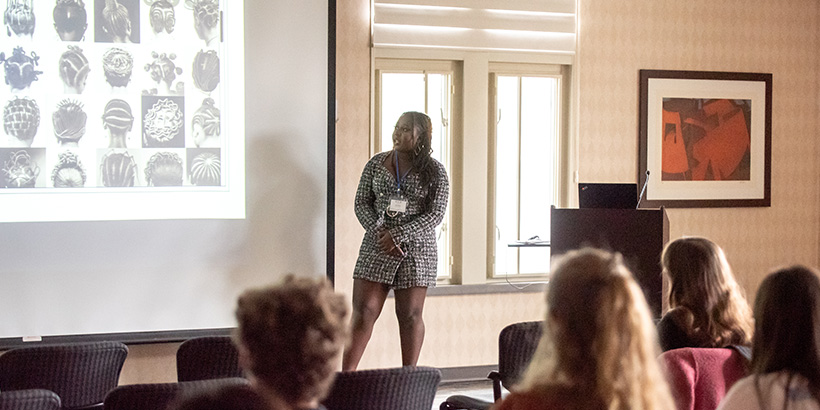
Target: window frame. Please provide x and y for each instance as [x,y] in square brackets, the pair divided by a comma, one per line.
[421,66]
[560,146]
[469,155]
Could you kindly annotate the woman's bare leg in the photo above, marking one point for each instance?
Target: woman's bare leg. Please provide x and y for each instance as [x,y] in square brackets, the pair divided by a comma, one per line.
[368,301]
[409,309]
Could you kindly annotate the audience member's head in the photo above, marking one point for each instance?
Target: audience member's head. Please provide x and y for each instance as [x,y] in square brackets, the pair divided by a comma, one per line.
[598,337]
[290,337]
[706,299]
[787,326]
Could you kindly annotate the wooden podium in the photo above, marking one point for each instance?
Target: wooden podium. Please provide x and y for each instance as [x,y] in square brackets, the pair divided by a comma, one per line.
[638,234]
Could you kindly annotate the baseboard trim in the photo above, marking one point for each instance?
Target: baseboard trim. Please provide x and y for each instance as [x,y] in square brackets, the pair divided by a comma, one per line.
[466,373]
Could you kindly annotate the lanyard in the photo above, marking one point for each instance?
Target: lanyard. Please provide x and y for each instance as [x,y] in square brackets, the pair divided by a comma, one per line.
[399,179]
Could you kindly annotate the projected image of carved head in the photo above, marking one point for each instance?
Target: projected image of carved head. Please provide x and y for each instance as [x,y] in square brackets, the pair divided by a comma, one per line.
[206,19]
[164,72]
[69,122]
[206,169]
[161,15]
[117,67]
[70,19]
[74,70]
[205,125]
[116,23]
[206,70]
[117,121]
[164,169]
[19,18]
[21,117]
[118,169]
[20,69]
[69,171]
[20,170]
[162,124]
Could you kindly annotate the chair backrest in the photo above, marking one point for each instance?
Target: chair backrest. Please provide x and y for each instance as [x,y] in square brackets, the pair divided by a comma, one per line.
[403,388]
[700,377]
[81,374]
[516,345]
[31,399]
[211,357]
[159,396]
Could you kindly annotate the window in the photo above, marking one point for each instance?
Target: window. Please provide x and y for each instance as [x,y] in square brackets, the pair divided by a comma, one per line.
[524,157]
[424,86]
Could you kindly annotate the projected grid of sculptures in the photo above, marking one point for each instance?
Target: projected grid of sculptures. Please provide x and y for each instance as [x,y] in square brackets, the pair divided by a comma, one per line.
[108,94]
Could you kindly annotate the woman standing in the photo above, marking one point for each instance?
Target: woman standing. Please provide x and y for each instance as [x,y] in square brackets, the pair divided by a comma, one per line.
[401,198]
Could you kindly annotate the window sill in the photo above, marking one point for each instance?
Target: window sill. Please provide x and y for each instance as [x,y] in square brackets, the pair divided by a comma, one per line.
[488,288]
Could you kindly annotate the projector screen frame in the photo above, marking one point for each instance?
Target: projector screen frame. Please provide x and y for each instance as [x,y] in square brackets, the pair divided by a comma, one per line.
[171,336]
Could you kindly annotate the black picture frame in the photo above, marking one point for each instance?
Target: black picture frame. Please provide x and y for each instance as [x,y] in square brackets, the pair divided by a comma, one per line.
[705,139]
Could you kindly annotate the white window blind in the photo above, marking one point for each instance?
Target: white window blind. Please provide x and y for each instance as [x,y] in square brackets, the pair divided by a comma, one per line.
[541,26]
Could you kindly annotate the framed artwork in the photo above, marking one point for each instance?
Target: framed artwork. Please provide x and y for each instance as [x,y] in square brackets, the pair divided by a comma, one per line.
[705,139]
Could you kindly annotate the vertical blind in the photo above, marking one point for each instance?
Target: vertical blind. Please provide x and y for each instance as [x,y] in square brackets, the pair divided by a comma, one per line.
[541,26]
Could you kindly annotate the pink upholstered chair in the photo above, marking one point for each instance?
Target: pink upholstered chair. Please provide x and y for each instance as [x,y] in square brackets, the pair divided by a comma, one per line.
[700,377]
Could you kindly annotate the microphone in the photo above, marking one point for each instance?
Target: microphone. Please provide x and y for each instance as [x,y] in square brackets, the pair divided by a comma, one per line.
[645,182]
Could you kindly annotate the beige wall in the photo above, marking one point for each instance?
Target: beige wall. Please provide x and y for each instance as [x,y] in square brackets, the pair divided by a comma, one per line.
[617,38]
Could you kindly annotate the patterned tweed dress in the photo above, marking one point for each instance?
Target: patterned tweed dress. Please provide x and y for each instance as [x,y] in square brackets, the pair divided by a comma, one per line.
[413,231]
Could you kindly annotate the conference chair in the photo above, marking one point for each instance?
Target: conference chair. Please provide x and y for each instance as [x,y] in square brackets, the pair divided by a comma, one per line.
[31,399]
[402,388]
[700,377]
[211,357]
[516,345]
[81,374]
[159,396]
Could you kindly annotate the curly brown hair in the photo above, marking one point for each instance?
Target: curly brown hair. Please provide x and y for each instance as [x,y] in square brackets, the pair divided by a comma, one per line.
[292,332]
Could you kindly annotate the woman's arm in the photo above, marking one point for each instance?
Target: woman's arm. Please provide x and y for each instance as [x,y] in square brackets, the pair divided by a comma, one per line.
[440,189]
[364,204]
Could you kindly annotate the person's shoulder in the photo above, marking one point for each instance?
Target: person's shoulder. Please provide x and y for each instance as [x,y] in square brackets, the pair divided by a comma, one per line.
[380,155]
[742,395]
[378,158]
[440,168]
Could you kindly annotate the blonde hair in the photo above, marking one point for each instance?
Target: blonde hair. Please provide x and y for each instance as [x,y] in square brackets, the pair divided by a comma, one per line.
[712,309]
[599,336]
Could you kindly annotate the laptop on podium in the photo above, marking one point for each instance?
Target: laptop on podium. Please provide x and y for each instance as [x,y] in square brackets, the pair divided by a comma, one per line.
[605,195]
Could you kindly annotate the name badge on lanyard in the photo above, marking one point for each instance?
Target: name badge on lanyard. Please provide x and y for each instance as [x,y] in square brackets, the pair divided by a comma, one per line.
[398,203]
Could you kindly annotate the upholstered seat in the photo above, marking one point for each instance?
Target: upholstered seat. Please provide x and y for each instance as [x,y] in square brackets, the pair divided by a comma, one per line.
[402,388]
[516,345]
[158,396]
[700,377]
[31,399]
[210,357]
[80,374]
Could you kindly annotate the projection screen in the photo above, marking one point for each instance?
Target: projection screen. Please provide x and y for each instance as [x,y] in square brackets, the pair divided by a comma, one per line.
[158,157]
